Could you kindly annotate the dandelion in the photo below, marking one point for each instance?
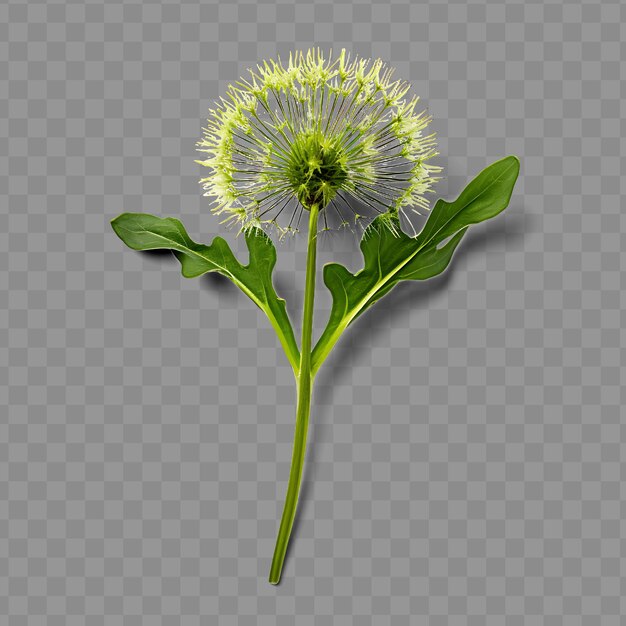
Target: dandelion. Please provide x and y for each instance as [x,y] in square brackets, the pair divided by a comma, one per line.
[321,137]
[318,131]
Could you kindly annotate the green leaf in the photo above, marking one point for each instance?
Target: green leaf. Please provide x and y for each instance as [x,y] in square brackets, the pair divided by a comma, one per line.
[390,255]
[141,231]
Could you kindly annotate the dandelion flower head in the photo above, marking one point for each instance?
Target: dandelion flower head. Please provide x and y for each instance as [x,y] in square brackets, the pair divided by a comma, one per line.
[318,131]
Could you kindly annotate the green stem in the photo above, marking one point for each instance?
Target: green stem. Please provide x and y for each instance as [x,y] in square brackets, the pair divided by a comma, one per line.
[304,382]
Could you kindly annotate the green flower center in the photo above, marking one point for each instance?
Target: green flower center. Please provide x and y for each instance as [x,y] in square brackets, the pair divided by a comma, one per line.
[316,167]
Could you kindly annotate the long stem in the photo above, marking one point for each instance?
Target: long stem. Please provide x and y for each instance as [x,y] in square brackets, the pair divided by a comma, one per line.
[304,381]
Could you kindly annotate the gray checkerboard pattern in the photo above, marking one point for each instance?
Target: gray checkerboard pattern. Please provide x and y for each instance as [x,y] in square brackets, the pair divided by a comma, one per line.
[467,461]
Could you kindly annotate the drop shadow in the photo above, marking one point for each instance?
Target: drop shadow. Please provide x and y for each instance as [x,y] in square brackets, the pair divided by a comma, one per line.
[286,288]
[511,229]
[157,255]
[214,281]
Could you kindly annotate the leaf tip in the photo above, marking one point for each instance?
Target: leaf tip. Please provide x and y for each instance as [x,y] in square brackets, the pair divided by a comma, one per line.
[116,222]
[514,161]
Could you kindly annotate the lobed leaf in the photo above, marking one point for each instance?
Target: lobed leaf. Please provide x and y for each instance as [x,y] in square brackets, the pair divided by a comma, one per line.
[141,231]
[390,255]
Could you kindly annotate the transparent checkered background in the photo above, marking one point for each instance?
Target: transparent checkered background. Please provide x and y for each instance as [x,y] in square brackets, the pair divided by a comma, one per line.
[466,462]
